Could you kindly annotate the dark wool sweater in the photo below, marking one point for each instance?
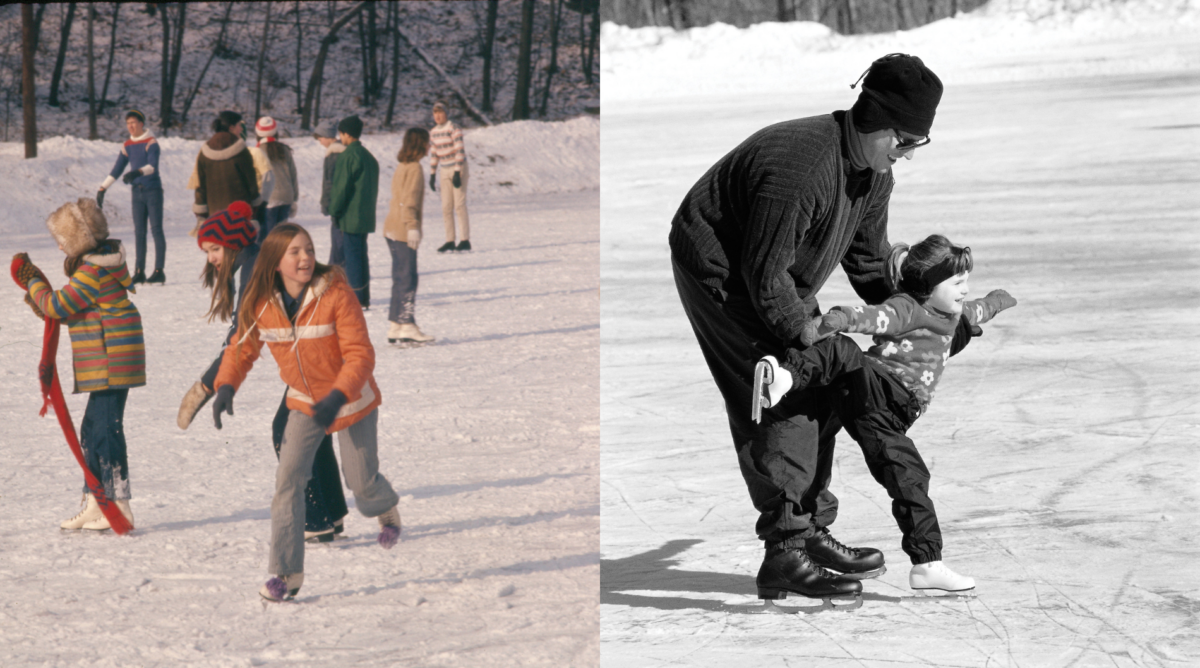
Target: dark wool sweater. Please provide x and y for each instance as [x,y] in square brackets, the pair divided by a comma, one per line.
[226,174]
[773,218]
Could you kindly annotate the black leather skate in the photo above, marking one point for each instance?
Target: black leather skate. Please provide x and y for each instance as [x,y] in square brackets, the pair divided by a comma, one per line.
[789,570]
[857,563]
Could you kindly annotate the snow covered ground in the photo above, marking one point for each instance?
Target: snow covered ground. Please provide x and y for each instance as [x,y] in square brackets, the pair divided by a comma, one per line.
[490,436]
[1062,443]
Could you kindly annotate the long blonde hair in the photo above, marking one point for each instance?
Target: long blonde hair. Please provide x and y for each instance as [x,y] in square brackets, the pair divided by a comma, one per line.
[266,281]
[221,282]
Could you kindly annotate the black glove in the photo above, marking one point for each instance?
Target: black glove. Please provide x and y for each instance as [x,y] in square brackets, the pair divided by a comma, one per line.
[457,180]
[1001,299]
[325,410]
[130,177]
[260,215]
[100,199]
[433,182]
[222,403]
[819,329]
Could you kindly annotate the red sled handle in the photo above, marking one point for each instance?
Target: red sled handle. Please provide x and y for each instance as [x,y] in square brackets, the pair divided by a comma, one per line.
[52,396]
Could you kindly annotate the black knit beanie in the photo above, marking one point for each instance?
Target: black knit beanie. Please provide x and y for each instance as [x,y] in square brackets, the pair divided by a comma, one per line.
[351,125]
[900,93]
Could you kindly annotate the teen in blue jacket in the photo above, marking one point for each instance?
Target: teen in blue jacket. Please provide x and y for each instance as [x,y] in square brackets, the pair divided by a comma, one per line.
[140,153]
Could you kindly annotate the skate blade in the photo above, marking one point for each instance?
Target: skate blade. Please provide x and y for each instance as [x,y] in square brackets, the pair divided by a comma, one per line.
[408,343]
[763,377]
[838,603]
[945,593]
[321,538]
[865,575]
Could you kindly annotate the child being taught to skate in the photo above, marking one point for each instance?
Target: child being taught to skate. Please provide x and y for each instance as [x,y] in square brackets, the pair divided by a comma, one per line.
[107,349]
[311,319]
[879,393]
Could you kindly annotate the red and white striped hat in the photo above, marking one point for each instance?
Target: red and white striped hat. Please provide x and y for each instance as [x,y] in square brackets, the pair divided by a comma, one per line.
[266,127]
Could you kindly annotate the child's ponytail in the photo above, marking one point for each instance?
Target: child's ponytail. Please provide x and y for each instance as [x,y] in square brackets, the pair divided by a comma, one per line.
[895,261]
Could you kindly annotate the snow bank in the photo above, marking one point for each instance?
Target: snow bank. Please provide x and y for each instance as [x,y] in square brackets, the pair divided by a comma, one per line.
[521,158]
[1005,40]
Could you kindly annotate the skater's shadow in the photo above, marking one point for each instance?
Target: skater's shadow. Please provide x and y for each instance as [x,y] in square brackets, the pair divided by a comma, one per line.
[248,514]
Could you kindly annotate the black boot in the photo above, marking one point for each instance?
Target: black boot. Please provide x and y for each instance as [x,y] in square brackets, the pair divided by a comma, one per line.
[463,246]
[157,277]
[790,570]
[446,247]
[851,562]
[139,276]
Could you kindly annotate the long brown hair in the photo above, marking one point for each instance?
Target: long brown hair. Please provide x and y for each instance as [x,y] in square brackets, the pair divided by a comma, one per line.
[276,151]
[415,146]
[221,282]
[266,281]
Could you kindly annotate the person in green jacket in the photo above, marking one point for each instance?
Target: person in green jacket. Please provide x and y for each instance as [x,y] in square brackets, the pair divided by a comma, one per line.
[352,201]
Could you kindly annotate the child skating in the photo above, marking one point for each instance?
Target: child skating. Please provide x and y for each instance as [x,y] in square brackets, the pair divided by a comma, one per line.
[107,349]
[311,319]
[878,394]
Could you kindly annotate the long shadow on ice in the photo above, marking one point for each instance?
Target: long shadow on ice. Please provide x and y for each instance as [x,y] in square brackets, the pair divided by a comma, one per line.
[652,571]
[241,516]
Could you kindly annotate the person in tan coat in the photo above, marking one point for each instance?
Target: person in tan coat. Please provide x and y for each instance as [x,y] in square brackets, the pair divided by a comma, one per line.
[402,230]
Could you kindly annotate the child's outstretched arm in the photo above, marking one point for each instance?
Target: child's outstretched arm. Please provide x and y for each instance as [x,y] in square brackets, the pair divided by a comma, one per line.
[979,311]
[80,293]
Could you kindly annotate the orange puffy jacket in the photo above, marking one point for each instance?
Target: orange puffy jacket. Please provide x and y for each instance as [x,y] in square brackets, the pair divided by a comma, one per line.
[326,349]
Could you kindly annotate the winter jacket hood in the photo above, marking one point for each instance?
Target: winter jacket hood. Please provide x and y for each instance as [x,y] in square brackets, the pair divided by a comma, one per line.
[222,146]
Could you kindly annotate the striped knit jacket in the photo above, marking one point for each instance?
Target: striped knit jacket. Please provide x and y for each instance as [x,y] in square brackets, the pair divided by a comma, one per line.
[446,147]
[140,154]
[912,341]
[107,348]
[775,217]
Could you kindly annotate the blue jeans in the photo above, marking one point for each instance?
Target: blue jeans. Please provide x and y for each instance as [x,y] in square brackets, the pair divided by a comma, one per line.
[404,283]
[148,204]
[275,215]
[102,439]
[357,271]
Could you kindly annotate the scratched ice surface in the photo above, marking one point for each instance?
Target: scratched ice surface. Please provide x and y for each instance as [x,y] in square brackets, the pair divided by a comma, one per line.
[1062,444]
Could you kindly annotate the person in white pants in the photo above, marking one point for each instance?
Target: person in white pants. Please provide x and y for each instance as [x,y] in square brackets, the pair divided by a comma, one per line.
[446,150]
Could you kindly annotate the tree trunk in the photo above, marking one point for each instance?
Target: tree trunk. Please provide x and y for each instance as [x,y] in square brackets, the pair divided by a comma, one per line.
[593,45]
[373,50]
[164,99]
[262,58]
[299,49]
[91,81]
[394,31]
[220,44]
[366,68]
[555,21]
[112,49]
[521,103]
[489,43]
[64,39]
[37,24]
[180,27]
[28,92]
[318,71]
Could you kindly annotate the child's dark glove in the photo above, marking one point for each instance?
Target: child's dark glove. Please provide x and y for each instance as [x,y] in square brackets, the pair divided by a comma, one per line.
[130,177]
[433,182]
[222,403]
[325,411]
[100,199]
[819,329]
[24,271]
[457,180]
[1001,300]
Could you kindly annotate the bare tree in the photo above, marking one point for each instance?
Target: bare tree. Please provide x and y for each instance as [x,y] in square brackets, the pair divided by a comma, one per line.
[318,71]
[217,48]
[521,102]
[64,39]
[91,81]
[28,91]
[112,49]
[366,68]
[262,58]
[372,50]
[489,42]
[394,31]
[299,48]
[37,24]
[555,20]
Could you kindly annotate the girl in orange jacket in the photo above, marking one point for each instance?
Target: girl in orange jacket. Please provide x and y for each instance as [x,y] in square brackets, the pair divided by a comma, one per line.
[311,320]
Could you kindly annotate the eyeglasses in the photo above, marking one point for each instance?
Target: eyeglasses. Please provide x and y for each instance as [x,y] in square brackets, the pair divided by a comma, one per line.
[903,144]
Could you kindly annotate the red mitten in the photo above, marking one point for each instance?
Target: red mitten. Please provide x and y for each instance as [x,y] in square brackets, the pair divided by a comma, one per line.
[24,271]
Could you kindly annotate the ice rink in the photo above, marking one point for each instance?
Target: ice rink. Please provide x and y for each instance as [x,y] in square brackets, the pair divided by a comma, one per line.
[1062,443]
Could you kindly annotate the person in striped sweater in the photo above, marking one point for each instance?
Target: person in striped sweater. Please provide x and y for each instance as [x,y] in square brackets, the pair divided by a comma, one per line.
[878,394]
[140,153]
[446,150]
[108,351]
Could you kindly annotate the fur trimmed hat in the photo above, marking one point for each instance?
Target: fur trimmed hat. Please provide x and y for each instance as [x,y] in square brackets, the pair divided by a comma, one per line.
[232,228]
[78,226]
[351,125]
[266,127]
[898,92]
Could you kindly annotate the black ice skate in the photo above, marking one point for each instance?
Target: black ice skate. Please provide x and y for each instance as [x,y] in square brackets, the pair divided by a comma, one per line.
[855,563]
[790,571]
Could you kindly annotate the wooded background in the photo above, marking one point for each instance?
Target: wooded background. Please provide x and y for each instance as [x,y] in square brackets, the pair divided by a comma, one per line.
[300,62]
[847,17]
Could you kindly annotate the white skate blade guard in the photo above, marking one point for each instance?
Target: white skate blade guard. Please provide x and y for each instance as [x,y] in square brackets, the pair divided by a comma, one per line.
[763,377]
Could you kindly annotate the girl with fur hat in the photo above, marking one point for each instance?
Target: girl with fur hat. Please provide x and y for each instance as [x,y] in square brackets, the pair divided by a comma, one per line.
[222,238]
[281,201]
[878,394]
[311,319]
[108,351]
